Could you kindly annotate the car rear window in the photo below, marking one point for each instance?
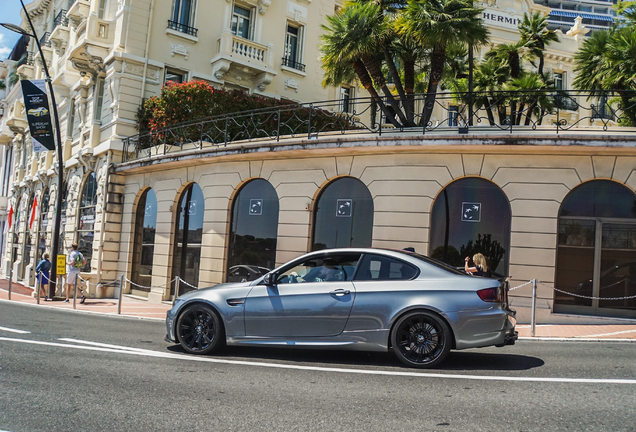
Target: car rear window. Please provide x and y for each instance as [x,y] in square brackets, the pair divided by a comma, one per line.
[377,267]
[433,261]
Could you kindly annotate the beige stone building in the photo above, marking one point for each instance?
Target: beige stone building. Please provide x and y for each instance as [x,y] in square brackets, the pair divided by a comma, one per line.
[201,211]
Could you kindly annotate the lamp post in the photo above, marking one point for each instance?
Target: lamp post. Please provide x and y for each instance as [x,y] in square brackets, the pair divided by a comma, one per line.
[60,162]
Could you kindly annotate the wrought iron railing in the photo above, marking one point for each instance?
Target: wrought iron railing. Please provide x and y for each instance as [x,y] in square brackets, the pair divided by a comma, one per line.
[547,110]
[61,19]
[44,40]
[183,28]
[293,64]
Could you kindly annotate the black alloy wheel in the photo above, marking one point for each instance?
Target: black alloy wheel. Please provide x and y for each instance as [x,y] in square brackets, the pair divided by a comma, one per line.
[199,329]
[421,339]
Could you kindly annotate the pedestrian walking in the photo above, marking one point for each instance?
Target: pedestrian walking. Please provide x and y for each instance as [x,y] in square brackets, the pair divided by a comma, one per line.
[74,263]
[42,270]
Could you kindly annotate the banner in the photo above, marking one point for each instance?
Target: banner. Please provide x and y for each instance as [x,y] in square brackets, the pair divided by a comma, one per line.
[7,227]
[34,214]
[36,104]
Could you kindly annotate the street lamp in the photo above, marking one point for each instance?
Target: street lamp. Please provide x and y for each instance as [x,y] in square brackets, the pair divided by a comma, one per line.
[60,162]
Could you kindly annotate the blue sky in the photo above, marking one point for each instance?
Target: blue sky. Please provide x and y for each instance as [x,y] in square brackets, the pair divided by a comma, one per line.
[10,14]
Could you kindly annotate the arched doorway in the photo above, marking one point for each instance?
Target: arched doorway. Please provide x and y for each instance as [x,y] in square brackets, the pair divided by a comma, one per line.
[188,237]
[144,243]
[343,215]
[471,215]
[253,231]
[43,223]
[596,252]
[86,219]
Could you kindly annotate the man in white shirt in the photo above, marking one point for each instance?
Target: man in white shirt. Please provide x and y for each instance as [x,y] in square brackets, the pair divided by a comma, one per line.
[74,263]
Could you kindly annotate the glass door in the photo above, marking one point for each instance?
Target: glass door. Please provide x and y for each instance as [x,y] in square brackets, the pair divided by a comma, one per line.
[617,272]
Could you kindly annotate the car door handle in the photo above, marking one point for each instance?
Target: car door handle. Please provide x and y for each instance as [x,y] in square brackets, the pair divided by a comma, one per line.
[340,292]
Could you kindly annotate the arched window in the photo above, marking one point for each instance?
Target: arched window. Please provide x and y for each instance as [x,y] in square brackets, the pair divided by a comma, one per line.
[253,231]
[189,233]
[86,220]
[27,233]
[596,252]
[343,215]
[61,246]
[144,246]
[471,215]
[44,222]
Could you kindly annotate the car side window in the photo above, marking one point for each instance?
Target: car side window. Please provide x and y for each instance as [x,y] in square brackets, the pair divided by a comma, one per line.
[376,267]
[332,268]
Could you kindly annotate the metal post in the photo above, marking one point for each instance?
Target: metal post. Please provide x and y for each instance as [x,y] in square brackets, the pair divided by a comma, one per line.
[121,293]
[38,286]
[533,319]
[10,279]
[75,291]
[176,289]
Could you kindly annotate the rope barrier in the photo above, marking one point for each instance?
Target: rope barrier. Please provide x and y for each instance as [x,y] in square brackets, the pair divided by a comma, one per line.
[142,286]
[522,285]
[190,285]
[586,297]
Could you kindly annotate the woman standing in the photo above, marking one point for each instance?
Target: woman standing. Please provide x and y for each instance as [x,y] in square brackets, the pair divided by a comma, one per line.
[42,270]
[481,267]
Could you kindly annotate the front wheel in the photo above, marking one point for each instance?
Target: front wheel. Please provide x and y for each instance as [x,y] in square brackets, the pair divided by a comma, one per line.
[421,339]
[199,329]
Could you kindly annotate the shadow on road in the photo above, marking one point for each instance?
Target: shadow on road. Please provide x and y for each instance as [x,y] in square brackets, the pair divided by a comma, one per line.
[456,361]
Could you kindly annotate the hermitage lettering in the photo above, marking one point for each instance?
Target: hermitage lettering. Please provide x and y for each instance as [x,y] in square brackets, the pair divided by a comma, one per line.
[487,16]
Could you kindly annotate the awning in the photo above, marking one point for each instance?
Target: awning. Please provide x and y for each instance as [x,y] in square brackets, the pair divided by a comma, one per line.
[568,14]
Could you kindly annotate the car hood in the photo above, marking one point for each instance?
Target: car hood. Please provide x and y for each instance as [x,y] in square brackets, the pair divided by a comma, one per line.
[237,288]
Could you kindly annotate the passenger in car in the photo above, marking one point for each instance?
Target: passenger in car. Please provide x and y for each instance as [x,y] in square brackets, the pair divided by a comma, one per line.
[481,267]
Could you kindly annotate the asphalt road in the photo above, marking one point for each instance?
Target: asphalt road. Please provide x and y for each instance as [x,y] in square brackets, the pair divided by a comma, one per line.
[81,372]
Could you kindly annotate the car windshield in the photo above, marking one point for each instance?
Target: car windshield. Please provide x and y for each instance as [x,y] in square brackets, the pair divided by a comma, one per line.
[433,261]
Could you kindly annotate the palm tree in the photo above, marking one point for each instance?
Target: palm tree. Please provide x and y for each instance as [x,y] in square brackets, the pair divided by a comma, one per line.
[607,62]
[528,92]
[358,34]
[435,24]
[536,37]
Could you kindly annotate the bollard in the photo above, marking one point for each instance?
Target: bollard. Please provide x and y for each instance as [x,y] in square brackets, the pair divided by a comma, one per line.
[121,293]
[37,286]
[75,291]
[10,280]
[176,290]
[533,320]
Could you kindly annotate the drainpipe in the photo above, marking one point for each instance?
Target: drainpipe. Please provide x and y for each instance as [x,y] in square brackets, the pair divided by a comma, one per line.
[143,78]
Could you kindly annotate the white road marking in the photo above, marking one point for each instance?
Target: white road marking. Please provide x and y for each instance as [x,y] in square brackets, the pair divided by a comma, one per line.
[149,353]
[7,329]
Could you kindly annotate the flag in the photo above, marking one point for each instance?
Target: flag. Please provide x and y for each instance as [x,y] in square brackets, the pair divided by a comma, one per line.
[7,226]
[34,213]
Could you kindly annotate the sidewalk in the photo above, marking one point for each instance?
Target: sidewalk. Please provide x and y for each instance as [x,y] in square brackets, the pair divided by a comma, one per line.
[130,306]
[134,307]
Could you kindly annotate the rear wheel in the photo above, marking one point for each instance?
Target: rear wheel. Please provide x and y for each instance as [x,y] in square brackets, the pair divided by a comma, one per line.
[421,339]
[199,330]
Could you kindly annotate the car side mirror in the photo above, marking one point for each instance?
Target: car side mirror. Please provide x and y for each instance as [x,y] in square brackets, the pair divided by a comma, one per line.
[268,279]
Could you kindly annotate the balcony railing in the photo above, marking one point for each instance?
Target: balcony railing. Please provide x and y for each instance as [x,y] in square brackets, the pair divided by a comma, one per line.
[61,19]
[293,64]
[183,28]
[507,112]
[44,40]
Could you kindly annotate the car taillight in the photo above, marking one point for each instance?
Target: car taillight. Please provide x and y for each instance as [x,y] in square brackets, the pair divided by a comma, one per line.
[489,295]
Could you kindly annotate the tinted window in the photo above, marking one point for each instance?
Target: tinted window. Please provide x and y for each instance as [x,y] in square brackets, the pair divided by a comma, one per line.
[332,268]
[471,215]
[254,228]
[600,198]
[377,267]
[344,216]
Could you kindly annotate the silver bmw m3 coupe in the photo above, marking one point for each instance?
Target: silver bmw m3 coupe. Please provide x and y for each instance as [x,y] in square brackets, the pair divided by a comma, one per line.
[356,299]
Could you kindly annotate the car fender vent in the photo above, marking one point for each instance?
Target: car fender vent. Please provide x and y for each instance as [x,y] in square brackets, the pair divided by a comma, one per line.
[236,302]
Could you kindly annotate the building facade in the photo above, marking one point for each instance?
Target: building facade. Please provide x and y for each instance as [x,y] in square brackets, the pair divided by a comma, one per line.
[197,214]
